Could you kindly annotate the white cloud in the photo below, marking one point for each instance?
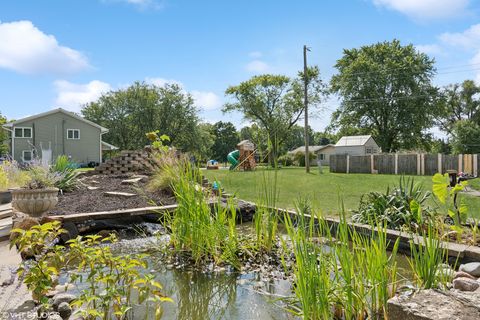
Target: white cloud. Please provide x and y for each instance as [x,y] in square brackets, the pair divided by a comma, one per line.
[73,96]
[206,100]
[26,49]
[257,66]
[469,38]
[431,49]
[426,9]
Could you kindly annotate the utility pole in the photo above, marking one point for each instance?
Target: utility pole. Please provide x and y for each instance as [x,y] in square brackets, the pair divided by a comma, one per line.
[305,102]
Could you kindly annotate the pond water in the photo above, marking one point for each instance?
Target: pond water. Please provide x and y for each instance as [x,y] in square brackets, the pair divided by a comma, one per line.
[219,295]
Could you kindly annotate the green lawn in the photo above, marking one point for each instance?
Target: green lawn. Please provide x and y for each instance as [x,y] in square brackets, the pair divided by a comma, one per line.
[326,190]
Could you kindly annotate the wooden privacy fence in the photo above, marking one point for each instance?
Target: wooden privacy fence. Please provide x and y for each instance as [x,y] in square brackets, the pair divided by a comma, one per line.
[411,164]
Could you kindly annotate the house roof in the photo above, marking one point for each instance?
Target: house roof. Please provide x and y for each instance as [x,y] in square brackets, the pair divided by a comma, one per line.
[43,114]
[310,148]
[350,141]
[108,147]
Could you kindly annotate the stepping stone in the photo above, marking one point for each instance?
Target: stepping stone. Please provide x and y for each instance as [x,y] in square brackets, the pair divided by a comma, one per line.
[6,214]
[92,188]
[132,181]
[119,194]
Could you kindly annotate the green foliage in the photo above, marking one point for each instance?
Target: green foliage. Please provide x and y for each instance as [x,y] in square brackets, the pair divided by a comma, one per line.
[344,281]
[199,231]
[427,259]
[398,208]
[225,140]
[41,177]
[157,141]
[274,103]
[266,214]
[458,102]
[286,160]
[11,176]
[67,175]
[140,108]
[40,273]
[299,158]
[109,280]
[168,171]
[447,197]
[465,137]
[386,91]
[4,138]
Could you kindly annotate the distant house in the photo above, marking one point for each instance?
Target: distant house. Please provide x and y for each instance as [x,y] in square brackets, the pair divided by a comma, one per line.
[357,146]
[322,152]
[57,132]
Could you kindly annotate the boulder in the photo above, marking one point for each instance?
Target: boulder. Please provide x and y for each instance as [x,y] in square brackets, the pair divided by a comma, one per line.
[435,305]
[62,297]
[64,310]
[461,274]
[465,284]
[472,268]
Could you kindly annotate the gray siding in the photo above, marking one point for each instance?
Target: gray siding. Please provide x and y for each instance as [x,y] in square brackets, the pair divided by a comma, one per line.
[52,130]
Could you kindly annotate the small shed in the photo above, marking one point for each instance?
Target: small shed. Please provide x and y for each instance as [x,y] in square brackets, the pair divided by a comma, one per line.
[322,152]
[357,145]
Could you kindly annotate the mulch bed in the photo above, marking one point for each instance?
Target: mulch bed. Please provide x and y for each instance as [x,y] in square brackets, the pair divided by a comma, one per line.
[83,200]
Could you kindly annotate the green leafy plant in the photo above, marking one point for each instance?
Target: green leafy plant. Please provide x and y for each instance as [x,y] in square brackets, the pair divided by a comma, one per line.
[158,142]
[400,207]
[39,274]
[427,257]
[286,160]
[448,198]
[200,229]
[67,175]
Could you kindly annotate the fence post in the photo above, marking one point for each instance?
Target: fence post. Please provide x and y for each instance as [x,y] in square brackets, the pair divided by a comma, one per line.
[475,165]
[460,163]
[348,163]
[422,159]
[396,163]
[439,163]
[419,169]
[372,166]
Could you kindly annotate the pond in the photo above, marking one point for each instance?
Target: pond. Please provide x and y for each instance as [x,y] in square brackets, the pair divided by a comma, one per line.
[219,294]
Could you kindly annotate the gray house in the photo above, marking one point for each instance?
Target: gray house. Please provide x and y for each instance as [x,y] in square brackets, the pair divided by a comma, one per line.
[357,146]
[57,132]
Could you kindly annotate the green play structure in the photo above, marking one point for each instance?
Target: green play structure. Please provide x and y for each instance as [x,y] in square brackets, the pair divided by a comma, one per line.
[232,158]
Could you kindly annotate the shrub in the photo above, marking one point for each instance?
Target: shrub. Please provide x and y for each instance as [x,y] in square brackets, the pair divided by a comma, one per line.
[67,175]
[397,208]
[286,160]
[300,158]
[11,176]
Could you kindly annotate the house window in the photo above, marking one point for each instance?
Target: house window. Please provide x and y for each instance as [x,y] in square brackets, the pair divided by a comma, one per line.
[23,132]
[27,155]
[321,156]
[73,134]
[369,151]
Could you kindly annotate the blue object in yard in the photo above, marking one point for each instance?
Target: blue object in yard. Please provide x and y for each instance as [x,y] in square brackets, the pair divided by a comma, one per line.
[215,185]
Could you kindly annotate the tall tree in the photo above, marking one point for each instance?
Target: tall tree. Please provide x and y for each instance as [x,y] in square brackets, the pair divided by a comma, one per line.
[131,112]
[458,102]
[465,137]
[386,90]
[4,137]
[274,102]
[225,138]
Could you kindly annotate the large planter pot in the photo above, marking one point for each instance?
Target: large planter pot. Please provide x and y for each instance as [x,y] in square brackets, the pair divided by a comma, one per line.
[5,197]
[35,203]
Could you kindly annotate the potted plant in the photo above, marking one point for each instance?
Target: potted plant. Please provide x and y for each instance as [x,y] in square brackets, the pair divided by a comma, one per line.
[39,194]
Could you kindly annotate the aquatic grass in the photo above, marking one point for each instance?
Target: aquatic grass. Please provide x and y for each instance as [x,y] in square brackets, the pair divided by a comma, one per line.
[266,214]
[199,228]
[427,258]
[312,268]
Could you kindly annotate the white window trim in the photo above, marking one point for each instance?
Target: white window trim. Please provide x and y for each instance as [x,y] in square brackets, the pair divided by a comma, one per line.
[73,134]
[23,155]
[23,132]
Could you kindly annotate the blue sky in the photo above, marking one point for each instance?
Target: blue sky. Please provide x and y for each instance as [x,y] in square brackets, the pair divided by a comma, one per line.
[62,53]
